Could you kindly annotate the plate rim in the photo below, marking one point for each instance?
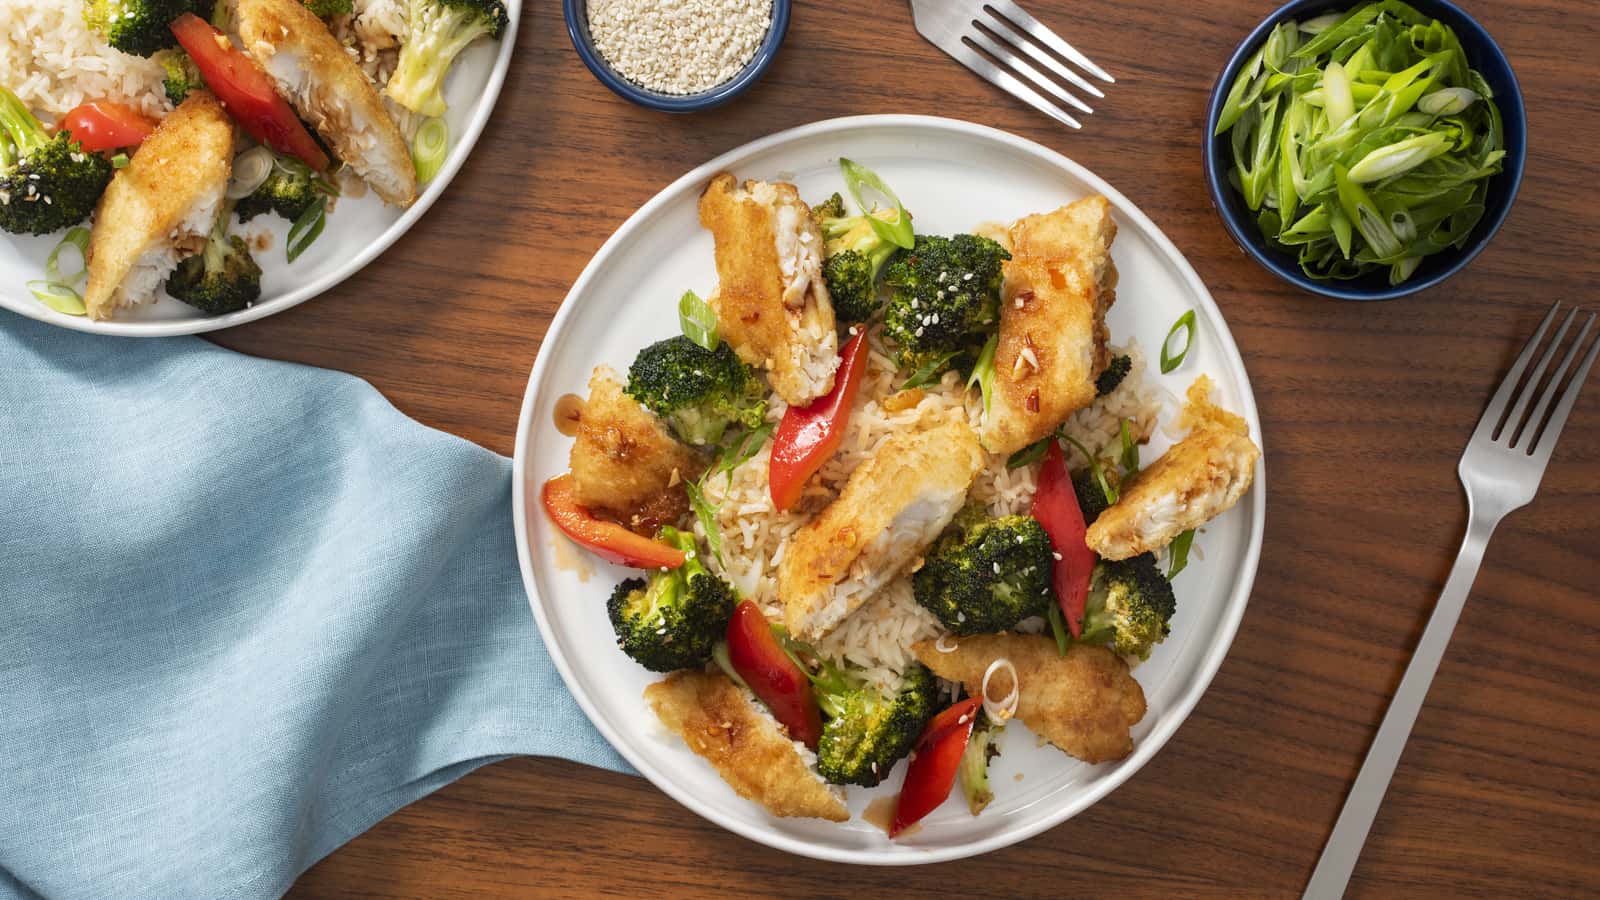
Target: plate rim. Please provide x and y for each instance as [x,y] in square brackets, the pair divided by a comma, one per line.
[487,101]
[1211,661]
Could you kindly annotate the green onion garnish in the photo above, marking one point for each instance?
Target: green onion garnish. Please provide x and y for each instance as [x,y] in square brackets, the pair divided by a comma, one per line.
[429,147]
[307,228]
[1095,469]
[931,371]
[698,320]
[120,161]
[983,371]
[1180,553]
[59,297]
[707,515]
[77,238]
[1058,628]
[1130,451]
[1185,324]
[1030,454]
[898,231]
[719,653]
[743,449]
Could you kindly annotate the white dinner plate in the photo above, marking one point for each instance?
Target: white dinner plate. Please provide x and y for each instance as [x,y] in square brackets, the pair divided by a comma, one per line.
[951,175]
[358,229]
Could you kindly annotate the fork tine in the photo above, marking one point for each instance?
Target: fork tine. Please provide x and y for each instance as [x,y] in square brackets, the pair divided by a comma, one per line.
[1013,37]
[1007,82]
[1028,23]
[1496,409]
[1552,432]
[1514,429]
[993,48]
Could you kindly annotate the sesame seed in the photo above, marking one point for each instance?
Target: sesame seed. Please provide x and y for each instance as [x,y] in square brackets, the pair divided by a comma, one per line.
[682,47]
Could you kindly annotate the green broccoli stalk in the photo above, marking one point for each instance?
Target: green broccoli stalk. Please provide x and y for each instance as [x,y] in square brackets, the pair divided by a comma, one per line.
[222,278]
[984,575]
[1130,605]
[288,190]
[675,619]
[46,183]
[855,254]
[869,728]
[135,26]
[1112,376]
[325,8]
[436,33]
[945,300]
[700,393]
[182,76]
[974,765]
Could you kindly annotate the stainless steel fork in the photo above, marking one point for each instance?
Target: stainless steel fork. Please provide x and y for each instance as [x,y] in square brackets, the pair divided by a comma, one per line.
[1501,470]
[1015,47]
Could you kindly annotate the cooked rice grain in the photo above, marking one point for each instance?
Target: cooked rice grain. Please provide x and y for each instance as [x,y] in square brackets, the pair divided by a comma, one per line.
[53,62]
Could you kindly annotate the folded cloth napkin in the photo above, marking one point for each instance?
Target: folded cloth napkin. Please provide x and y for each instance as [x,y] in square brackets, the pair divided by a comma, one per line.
[247,609]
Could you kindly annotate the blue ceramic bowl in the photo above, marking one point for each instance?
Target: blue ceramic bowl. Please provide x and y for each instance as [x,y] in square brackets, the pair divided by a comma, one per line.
[578,29]
[1482,54]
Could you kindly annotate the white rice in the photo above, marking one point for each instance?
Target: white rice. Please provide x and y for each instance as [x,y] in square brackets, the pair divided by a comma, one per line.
[53,62]
[878,637]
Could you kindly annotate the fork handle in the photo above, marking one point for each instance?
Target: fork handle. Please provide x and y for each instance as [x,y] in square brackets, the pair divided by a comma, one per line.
[1361,806]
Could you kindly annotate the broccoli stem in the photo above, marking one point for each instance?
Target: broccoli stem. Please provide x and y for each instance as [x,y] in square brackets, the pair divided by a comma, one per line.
[25,131]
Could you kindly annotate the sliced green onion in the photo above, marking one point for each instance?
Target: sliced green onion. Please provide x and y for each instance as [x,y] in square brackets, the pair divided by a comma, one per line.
[1179,552]
[59,297]
[250,170]
[77,238]
[1058,628]
[1130,451]
[1400,157]
[931,371]
[307,228]
[1338,103]
[1030,454]
[719,653]
[706,513]
[1447,101]
[1321,23]
[1185,324]
[898,231]
[983,371]
[698,320]
[743,449]
[429,147]
[120,161]
[1095,469]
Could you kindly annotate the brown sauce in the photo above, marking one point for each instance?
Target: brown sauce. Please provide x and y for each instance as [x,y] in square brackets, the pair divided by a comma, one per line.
[880,812]
[569,412]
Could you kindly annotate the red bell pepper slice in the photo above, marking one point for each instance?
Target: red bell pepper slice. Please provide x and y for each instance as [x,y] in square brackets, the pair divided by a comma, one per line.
[246,92]
[1055,505]
[932,772]
[608,540]
[103,125]
[807,436]
[772,675]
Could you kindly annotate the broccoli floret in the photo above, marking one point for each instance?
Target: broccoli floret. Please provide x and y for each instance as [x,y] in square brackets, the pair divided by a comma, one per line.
[437,31]
[675,619]
[222,278]
[1115,371]
[946,298]
[974,767]
[135,26]
[832,208]
[326,8]
[698,392]
[1130,605]
[182,76]
[1091,497]
[289,190]
[869,729]
[985,575]
[855,256]
[46,183]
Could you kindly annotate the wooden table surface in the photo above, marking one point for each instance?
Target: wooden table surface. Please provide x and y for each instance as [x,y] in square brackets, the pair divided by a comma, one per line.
[1365,409]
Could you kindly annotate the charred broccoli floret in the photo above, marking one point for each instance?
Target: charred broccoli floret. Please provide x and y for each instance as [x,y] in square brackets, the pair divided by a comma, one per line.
[1130,605]
[946,298]
[1091,497]
[135,26]
[46,183]
[985,575]
[855,254]
[182,76]
[870,728]
[289,190]
[222,278]
[326,8]
[1115,371]
[437,32]
[698,392]
[673,620]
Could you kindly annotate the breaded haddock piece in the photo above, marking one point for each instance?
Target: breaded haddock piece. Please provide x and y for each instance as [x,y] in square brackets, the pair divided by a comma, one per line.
[1058,285]
[326,87]
[624,460]
[1196,480]
[722,724]
[892,507]
[1085,702]
[771,300]
[160,207]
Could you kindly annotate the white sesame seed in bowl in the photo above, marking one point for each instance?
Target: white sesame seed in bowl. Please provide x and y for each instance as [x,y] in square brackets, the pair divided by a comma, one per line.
[677,55]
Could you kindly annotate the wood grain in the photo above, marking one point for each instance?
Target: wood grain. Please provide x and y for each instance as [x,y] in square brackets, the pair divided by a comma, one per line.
[1365,408]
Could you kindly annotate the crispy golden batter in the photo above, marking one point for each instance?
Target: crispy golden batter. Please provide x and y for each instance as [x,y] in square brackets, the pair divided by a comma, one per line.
[1084,702]
[892,507]
[772,304]
[163,197]
[1195,481]
[624,460]
[721,724]
[329,90]
[1058,285]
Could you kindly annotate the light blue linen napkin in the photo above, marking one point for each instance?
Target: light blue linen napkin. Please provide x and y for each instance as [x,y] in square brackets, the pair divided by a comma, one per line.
[247,609]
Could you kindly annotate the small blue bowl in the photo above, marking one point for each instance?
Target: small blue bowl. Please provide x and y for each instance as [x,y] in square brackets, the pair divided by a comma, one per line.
[1482,54]
[578,29]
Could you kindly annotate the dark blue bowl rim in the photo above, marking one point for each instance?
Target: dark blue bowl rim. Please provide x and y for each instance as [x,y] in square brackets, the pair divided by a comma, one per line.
[1284,266]
[577,30]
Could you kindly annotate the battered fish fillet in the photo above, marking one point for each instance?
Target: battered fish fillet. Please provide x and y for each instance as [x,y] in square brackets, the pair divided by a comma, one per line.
[326,87]
[1059,284]
[771,300]
[160,207]
[1084,702]
[624,460]
[722,724]
[1195,481]
[893,506]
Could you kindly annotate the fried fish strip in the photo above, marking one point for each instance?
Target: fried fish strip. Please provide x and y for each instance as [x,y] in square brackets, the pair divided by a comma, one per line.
[625,462]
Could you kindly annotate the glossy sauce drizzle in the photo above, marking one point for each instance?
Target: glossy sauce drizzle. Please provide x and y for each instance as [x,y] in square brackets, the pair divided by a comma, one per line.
[568,413]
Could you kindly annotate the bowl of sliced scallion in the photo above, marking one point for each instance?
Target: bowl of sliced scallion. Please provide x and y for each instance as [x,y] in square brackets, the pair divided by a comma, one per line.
[1365,152]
